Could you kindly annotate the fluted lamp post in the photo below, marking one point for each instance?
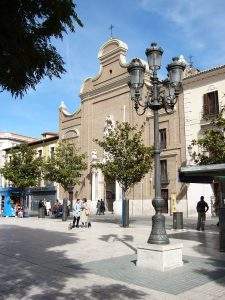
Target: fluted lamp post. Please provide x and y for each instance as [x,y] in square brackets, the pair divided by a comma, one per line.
[161,94]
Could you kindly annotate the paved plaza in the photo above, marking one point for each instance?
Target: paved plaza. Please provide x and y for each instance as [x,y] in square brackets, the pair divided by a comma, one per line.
[42,259]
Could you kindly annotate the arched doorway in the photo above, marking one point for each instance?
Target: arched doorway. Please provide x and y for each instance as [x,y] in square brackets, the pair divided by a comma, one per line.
[109,194]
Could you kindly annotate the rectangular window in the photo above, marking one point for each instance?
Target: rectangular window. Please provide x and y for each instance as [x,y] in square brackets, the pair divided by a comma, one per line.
[210,104]
[40,153]
[162,138]
[164,177]
[52,151]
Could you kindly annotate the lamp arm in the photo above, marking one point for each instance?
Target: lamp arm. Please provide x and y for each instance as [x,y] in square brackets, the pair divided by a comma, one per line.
[169,109]
[143,111]
[140,104]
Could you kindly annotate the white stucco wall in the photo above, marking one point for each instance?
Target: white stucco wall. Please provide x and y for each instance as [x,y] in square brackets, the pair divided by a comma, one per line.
[8,140]
[4,143]
[194,89]
[193,103]
[194,192]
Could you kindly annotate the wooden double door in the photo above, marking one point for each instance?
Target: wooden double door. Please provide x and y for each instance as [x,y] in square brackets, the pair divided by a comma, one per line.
[165,196]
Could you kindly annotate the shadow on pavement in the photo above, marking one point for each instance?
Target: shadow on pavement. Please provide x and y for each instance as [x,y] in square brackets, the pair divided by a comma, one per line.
[208,247]
[96,292]
[216,274]
[207,241]
[125,239]
[32,259]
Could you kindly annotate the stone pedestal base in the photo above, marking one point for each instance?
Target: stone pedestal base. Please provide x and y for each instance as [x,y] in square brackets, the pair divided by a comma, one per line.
[160,257]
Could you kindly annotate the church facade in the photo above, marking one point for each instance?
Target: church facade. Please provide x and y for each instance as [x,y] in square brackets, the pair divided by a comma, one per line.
[105,99]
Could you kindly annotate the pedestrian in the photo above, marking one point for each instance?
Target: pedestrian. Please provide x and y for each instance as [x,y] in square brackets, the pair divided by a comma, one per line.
[85,214]
[41,209]
[20,212]
[55,208]
[45,208]
[76,213]
[102,207]
[48,207]
[202,208]
[98,207]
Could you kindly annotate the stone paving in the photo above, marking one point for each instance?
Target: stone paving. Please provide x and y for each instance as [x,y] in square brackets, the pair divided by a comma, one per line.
[194,273]
[42,259]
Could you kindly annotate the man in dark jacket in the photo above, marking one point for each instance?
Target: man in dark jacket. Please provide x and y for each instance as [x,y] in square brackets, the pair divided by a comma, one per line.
[202,208]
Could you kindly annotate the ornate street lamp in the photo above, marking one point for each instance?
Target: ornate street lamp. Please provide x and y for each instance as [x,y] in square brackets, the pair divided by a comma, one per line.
[161,95]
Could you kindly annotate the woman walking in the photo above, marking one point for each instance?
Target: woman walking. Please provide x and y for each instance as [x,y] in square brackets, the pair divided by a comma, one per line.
[85,214]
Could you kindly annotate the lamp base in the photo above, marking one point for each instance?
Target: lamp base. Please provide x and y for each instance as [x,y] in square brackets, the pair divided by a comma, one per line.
[158,234]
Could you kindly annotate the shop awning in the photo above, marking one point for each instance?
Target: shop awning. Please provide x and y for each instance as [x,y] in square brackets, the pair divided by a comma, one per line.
[202,174]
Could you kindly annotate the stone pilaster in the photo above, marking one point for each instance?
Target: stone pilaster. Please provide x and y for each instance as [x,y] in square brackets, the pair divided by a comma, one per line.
[117,205]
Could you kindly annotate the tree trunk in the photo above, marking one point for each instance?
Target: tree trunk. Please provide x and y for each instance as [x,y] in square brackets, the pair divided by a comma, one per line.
[125,209]
[65,210]
[70,192]
[23,202]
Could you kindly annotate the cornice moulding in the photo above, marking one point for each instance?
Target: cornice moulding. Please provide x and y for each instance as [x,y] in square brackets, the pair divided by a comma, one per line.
[105,88]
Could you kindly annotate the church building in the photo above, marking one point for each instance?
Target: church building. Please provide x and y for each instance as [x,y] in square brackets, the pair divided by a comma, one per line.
[105,99]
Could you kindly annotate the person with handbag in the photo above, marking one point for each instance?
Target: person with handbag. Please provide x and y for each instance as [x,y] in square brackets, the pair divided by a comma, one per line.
[85,214]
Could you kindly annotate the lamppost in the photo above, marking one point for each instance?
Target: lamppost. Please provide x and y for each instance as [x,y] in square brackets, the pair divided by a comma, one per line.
[161,95]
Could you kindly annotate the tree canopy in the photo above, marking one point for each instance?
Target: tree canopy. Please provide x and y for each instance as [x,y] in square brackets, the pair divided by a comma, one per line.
[211,143]
[23,168]
[65,166]
[27,28]
[128,158]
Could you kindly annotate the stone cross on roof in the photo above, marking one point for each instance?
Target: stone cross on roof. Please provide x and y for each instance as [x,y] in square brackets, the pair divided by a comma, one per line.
[111,30]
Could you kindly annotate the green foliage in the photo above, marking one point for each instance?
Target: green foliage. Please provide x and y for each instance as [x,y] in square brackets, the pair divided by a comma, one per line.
[129,159]
[66,165]
[212,143]
[24,167]
[27,28]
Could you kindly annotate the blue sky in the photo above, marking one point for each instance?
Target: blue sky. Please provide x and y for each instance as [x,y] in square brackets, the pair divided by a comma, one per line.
[188,27]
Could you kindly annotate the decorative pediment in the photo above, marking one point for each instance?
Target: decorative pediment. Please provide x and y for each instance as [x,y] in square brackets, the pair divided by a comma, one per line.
[112,47]
[112,56]
[65,111]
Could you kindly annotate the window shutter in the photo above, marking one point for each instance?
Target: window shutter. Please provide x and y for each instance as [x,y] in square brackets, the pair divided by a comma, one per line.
[165,142]
[162,138]
[216,102]
[205,104]
[164,177]
[211,103]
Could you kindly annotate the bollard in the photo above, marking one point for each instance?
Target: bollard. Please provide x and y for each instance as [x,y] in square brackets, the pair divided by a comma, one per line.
[222,229]
[178,220]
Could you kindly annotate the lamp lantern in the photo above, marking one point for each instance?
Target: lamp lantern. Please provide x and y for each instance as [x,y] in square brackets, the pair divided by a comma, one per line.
[154,56]
[175,71]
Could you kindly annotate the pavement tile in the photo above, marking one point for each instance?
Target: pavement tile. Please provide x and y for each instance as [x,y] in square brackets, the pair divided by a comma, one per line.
[194,273]
[41,259]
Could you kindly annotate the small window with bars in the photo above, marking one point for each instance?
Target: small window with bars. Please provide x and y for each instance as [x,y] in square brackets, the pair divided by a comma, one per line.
[52,151]
[40,153]
[162,138]
[210,104]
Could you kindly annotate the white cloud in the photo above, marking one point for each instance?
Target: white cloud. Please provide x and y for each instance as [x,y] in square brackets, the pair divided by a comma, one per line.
[200,21]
